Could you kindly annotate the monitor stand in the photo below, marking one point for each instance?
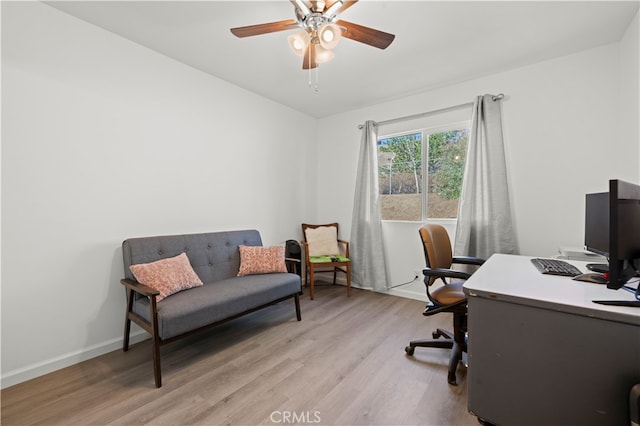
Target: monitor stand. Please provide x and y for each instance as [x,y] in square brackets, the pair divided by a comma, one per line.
[601,268]
[629,303]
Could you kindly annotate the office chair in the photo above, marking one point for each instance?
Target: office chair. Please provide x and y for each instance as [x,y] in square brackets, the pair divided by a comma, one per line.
[324,252]
[448,297]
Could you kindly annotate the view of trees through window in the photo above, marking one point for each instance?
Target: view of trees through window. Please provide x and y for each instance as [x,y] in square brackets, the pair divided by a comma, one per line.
[408,163]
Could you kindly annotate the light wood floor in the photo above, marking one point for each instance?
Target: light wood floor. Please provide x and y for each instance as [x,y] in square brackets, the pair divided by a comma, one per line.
[343,364]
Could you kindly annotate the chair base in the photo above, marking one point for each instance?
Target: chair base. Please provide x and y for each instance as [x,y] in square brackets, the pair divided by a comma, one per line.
[454,341]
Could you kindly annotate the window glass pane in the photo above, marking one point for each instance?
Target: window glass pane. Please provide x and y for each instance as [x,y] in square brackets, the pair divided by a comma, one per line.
[400,177]
[447,153]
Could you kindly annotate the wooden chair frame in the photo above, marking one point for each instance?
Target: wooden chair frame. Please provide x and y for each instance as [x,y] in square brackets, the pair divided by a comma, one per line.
[312,268]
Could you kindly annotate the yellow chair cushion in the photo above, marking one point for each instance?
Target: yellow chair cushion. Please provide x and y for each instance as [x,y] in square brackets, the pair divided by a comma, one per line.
[327,259]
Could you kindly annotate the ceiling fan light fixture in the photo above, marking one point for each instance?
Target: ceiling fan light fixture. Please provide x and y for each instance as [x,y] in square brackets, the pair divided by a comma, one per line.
[319,30]
[323,55]
[329,35]
[298,42]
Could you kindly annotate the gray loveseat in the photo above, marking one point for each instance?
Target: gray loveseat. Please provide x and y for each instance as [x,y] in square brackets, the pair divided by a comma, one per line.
[215,258]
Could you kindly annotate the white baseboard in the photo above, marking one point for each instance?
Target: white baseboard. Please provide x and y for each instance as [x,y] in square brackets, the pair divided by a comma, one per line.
[48,366]
[414,290]
[411,290]
[409,294]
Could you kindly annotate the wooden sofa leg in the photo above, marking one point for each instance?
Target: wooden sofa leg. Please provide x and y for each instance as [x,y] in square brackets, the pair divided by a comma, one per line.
[157,371]
[127,321]
[297,301]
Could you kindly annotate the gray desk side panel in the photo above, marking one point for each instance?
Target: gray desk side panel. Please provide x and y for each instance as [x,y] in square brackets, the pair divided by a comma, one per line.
[532,366]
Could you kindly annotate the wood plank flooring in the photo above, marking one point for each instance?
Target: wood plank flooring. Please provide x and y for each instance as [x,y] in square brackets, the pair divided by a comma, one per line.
[343,364]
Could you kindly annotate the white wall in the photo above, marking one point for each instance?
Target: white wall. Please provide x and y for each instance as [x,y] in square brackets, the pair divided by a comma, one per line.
[630,86]
[102,140]
[564,137]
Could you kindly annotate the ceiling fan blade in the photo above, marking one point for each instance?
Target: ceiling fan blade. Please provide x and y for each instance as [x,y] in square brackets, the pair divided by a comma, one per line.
[336,7]
[366,35]
[271,27]
[309,61]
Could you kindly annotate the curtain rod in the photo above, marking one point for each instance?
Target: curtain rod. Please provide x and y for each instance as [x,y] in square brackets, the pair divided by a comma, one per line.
[426,114]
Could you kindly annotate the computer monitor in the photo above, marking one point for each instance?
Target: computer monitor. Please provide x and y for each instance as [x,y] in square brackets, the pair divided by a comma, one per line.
[596,223]
[612,229]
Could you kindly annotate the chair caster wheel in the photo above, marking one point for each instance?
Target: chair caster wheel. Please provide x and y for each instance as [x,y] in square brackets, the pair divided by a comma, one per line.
[435,335]
[409,350]
[452,379]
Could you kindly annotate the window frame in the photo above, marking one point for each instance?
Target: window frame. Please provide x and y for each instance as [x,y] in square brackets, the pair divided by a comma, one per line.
[424,135]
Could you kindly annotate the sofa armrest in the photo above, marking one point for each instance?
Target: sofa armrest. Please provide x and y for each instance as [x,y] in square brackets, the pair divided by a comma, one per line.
[150,327]
[139,288]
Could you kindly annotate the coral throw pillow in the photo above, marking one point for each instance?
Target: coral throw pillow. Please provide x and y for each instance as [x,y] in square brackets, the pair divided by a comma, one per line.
[322,241]
[261,260]
[168,276]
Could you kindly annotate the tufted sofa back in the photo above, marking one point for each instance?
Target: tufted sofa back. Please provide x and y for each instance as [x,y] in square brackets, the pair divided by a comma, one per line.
[214,256]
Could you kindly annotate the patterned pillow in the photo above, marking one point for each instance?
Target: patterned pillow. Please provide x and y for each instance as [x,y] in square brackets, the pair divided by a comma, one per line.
[261,260]
[322,241]
[168,276]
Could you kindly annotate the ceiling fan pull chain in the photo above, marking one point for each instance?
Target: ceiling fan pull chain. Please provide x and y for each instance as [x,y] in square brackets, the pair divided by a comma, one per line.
[309,69]
[317,79]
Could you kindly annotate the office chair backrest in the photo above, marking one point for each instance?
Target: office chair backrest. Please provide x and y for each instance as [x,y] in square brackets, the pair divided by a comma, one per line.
[437,247]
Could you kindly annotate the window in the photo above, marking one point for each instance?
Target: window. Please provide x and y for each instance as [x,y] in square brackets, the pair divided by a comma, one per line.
[427,158]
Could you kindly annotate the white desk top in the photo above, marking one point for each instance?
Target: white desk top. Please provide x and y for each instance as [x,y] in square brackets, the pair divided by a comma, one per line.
[514,279]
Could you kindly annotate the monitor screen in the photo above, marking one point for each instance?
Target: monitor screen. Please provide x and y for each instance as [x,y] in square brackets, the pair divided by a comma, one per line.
[628,245]
[596,229]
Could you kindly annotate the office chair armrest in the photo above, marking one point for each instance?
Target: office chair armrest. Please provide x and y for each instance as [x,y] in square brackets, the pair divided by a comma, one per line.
[467,260]
[445,273]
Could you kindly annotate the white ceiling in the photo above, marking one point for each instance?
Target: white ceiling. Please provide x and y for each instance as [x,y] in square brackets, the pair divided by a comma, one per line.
[437,43]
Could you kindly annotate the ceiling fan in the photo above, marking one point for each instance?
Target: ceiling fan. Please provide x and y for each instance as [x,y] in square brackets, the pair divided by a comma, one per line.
[321,30]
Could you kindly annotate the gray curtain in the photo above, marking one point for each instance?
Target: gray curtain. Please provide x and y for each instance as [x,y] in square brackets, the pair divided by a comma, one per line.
[485,224]
[368,264]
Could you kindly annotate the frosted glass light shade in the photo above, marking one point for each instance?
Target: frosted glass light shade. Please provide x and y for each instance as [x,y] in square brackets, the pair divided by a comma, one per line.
[329,35]
[298,42]
[323,55]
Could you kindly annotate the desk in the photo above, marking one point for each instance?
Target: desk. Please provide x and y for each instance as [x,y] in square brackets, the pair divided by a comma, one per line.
[540,352]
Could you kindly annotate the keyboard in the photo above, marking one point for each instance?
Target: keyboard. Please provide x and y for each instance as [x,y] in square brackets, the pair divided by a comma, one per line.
[555,267]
